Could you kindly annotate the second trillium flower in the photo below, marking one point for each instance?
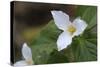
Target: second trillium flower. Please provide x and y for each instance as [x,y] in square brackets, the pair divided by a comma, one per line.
[27,55]
[70,29]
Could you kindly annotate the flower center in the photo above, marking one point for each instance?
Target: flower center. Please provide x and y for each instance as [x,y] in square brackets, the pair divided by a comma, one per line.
[30,62]
[71,29]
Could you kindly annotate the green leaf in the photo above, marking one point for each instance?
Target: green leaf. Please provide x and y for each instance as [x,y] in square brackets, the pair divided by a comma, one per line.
[57,57]
[84,50]
[88,14]
[45,43]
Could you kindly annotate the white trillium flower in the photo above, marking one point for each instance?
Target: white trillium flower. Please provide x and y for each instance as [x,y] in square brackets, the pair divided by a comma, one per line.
[70,29]
[27,55]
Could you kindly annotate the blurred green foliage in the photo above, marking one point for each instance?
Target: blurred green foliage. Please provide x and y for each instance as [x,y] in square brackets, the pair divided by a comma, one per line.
[83,47]
[45,43]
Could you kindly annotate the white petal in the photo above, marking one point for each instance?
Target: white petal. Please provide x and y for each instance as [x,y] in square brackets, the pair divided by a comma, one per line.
[26,52]
[61,19]
[64,40]
[20,64]
[80,26]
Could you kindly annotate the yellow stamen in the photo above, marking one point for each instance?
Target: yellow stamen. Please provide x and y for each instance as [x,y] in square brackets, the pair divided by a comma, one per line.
[30,62]
[71,29]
